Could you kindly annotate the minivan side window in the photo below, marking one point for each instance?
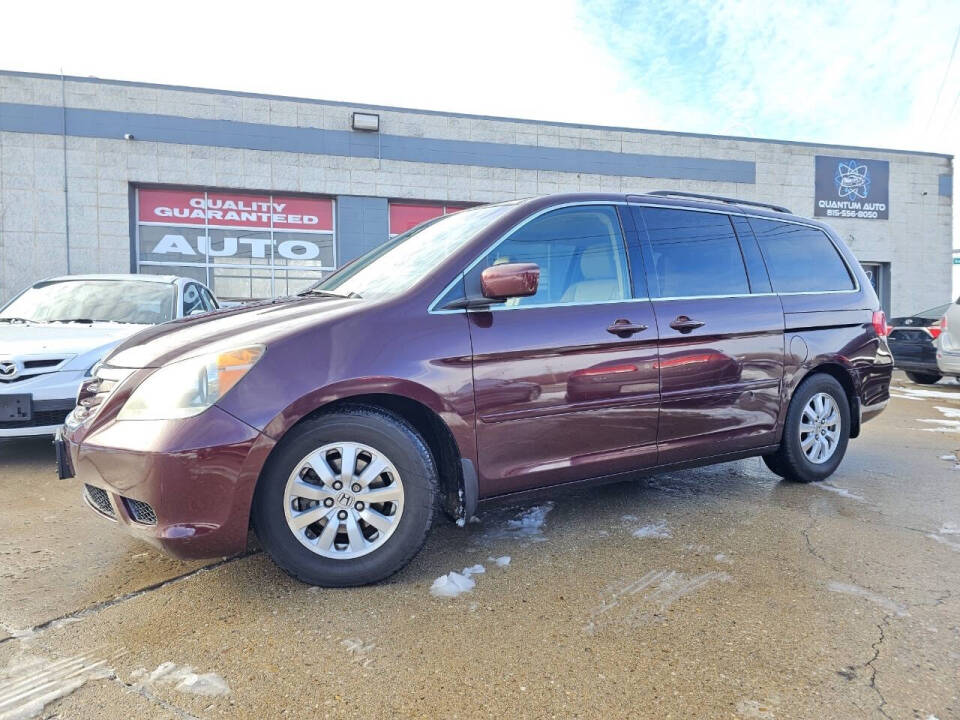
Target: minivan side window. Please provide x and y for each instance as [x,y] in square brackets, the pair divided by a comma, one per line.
[800,258]
[580,251]
[693,254]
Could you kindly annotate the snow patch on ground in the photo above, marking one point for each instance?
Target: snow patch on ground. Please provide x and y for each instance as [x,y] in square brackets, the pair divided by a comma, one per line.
[918,394]
[452,585]
[502,561]
[950,528]
[941,425]
[526,525]
[183,678]
[29,683]
[659,529]
[722,558]
[948,412]
[843,492]
[530,521]
[474,570]
[952,457]
[877,599]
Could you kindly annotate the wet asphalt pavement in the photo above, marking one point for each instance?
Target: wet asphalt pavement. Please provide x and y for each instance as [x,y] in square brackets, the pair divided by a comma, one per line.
[715,593]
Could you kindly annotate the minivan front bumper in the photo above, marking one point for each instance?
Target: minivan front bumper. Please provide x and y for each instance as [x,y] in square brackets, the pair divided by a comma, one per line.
[185,486]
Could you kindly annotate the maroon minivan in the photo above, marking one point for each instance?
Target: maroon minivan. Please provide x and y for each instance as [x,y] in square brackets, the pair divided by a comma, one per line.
[507,347]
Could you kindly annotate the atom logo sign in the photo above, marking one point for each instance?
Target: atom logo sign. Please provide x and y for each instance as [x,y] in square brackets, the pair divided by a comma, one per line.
[851,188]
[852,180]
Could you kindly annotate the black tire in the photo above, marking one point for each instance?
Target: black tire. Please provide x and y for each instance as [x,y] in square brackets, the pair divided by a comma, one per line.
[924,378]
[789,461]
[376,428]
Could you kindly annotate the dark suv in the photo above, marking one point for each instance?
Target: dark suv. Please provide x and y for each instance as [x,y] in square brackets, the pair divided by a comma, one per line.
[504,348]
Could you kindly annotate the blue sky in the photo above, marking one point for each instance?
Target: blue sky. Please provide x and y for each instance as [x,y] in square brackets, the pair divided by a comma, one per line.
[857,72]
[851,72]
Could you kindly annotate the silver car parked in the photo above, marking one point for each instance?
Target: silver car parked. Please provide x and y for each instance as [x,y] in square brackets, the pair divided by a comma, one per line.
[53,333]
[948,344]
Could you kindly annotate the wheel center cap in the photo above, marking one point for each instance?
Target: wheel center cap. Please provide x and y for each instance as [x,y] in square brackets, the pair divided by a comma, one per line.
[345,499]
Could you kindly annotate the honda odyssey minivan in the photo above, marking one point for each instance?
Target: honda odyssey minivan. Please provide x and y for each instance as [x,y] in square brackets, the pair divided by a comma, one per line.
[505,348]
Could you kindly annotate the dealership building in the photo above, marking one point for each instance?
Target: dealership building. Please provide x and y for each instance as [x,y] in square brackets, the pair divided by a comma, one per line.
[259,196]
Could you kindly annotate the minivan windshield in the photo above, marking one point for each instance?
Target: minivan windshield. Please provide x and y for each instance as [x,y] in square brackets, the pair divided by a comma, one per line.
[87,301]
[400,263]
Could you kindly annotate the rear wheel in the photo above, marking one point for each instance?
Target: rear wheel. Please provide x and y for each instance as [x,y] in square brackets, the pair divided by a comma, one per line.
[924,378]
[815,433]
[347,498]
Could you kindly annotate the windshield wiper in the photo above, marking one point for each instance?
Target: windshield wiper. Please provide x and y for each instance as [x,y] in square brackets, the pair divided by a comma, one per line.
[25,321]
[90,321]
[327,293]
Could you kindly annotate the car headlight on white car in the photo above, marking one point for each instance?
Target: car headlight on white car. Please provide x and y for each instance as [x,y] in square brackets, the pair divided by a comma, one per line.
[188,387]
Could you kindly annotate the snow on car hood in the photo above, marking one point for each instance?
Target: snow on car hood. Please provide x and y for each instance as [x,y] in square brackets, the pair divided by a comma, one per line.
[61,338]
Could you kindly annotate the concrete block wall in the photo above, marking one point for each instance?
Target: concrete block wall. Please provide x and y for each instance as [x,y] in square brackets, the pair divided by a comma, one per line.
[307,146]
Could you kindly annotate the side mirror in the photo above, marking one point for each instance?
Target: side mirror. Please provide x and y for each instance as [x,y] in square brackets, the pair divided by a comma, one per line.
[510,280]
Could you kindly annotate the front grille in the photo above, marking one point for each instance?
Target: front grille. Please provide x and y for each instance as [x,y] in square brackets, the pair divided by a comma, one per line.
[140,511]
[34,364]
[31,368]
[99,500]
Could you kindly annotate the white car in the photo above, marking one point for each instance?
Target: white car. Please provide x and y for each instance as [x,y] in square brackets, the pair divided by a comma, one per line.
[54,332]
[948,344]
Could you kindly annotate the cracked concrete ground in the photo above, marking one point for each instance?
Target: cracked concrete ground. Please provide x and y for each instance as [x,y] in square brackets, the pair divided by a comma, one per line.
[718,592]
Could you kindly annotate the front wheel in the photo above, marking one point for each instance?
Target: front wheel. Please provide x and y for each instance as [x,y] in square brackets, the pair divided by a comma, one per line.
[815,432]
[924,378]
[347,497]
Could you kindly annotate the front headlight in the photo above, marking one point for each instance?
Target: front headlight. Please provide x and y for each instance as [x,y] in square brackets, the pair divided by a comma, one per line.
[188,387]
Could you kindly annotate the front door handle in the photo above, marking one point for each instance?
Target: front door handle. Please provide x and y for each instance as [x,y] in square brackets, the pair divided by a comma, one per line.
[684,324]
[624,328]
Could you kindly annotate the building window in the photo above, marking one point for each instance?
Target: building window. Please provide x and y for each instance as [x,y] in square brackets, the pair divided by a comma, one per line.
[406,215]
[242,245]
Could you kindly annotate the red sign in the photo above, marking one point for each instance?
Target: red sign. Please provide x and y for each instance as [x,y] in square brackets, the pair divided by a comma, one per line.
[404,216]
[247,210]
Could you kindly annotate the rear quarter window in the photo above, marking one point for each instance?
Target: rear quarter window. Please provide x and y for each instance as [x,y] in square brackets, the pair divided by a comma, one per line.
[800,258]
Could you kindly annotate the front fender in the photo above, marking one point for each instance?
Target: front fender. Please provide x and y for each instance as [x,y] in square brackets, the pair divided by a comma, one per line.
[455,411]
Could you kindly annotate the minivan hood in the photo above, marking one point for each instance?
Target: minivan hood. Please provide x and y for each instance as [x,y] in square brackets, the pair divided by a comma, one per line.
[253,324]
[61,338]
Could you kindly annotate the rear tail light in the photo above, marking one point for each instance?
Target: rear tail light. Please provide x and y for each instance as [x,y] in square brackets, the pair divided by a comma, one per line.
[880,323]
[935,330]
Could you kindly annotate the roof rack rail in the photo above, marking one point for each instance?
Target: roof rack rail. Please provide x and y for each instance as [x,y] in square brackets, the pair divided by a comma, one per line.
[718,198]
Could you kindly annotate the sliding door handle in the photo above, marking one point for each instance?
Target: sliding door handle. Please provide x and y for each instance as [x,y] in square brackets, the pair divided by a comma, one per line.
[684,324]
[624,328]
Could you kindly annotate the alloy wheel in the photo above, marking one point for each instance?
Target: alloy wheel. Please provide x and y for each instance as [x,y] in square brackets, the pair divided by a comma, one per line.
[343,500]
[820,427]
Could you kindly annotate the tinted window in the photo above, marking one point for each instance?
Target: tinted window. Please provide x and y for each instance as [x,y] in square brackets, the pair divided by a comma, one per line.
[694,253]
[580,252]
[799,258]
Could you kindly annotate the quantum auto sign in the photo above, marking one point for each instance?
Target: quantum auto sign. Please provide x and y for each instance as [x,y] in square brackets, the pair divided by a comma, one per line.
[851,188]
[236,211]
